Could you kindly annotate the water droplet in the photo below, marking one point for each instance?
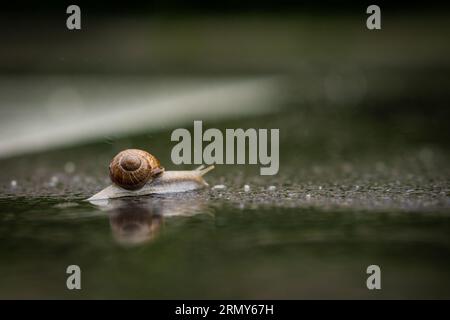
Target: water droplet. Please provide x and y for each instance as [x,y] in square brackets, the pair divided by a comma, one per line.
[69,167]
[53,181]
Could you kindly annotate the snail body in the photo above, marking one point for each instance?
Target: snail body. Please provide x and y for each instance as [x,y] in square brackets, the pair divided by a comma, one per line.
[166,182]
[135,173]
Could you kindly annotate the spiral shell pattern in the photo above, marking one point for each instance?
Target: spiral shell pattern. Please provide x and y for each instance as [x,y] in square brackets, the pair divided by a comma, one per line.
[132,168]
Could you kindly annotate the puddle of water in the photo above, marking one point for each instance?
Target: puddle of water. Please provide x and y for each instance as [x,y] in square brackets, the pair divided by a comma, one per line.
[185,246]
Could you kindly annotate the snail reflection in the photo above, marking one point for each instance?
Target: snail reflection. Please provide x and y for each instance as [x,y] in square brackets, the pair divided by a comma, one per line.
[134,224]
[138,221]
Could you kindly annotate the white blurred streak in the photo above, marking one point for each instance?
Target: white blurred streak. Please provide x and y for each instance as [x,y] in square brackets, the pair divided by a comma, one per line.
[52,113]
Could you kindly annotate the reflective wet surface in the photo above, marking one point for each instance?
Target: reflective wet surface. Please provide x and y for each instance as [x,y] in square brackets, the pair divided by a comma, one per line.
[183,247]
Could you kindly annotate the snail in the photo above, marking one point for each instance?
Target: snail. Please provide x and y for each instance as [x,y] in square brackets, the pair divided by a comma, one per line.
[136,172]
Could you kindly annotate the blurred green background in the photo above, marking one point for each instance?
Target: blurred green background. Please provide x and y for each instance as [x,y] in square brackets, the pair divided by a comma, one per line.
[364,149]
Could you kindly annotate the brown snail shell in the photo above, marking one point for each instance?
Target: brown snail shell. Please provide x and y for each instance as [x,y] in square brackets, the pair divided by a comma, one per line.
[132,168]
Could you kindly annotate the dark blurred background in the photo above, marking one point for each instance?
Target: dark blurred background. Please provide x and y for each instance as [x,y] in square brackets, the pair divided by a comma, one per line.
[213,36]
